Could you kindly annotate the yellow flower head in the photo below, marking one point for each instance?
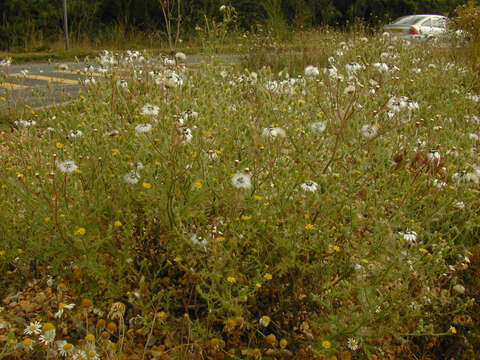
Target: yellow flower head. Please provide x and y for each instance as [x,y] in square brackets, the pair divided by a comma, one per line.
[80,231]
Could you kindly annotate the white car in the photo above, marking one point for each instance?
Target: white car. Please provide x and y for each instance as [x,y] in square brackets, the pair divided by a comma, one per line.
[418,27]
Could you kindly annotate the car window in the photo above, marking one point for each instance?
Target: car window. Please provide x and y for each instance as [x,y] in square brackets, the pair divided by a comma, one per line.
[438,22]
[427,22]
[409,20]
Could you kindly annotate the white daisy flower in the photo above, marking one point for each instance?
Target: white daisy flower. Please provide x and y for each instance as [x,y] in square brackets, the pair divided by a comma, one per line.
[242,181]
[352,344]
[150,110]
[92,354]
[76,133]
[80,355]
[318,127]
[309,186]
[48,337]
[311,71]
[273,132]
[143,129]
[132,177]
[224,74]
[64,348]
[67,166]
[369,131]
[34,328]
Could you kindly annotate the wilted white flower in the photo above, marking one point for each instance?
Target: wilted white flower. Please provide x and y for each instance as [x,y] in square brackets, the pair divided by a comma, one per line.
[439,184]
[318,127]
[186,134]
[111,133]
[143,128]
[89,81]
[434,157]
[61,309]
[309,186]
[150,110]
[459,205]
[459,288]
[67,166]
[332,72]
[6,62]
[24,123]
[409,236]
[382,67]
[169,62]
[122,84]
[180,56]
[311,71]
[265,320]
[223,74]
[242,181]
[4,324]
[273,132]
[353,67]
[198,240]
[76,133]
[132,177]
[349,89]
[170,79]
[212,155]
[369,131]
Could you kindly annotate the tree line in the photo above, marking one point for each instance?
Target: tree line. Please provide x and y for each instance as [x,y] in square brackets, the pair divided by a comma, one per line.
[41,20]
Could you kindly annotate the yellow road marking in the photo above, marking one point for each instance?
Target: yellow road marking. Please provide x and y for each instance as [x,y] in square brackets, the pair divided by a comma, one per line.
[78,72]
[46,78]
[12,86]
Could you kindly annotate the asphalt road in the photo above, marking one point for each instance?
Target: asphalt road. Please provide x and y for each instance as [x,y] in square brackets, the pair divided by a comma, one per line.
[43,84]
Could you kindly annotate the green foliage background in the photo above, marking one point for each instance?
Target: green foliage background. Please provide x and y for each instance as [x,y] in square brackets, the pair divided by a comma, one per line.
[24,21]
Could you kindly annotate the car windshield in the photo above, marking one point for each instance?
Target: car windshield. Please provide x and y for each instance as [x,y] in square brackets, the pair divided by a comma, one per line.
[409,20]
